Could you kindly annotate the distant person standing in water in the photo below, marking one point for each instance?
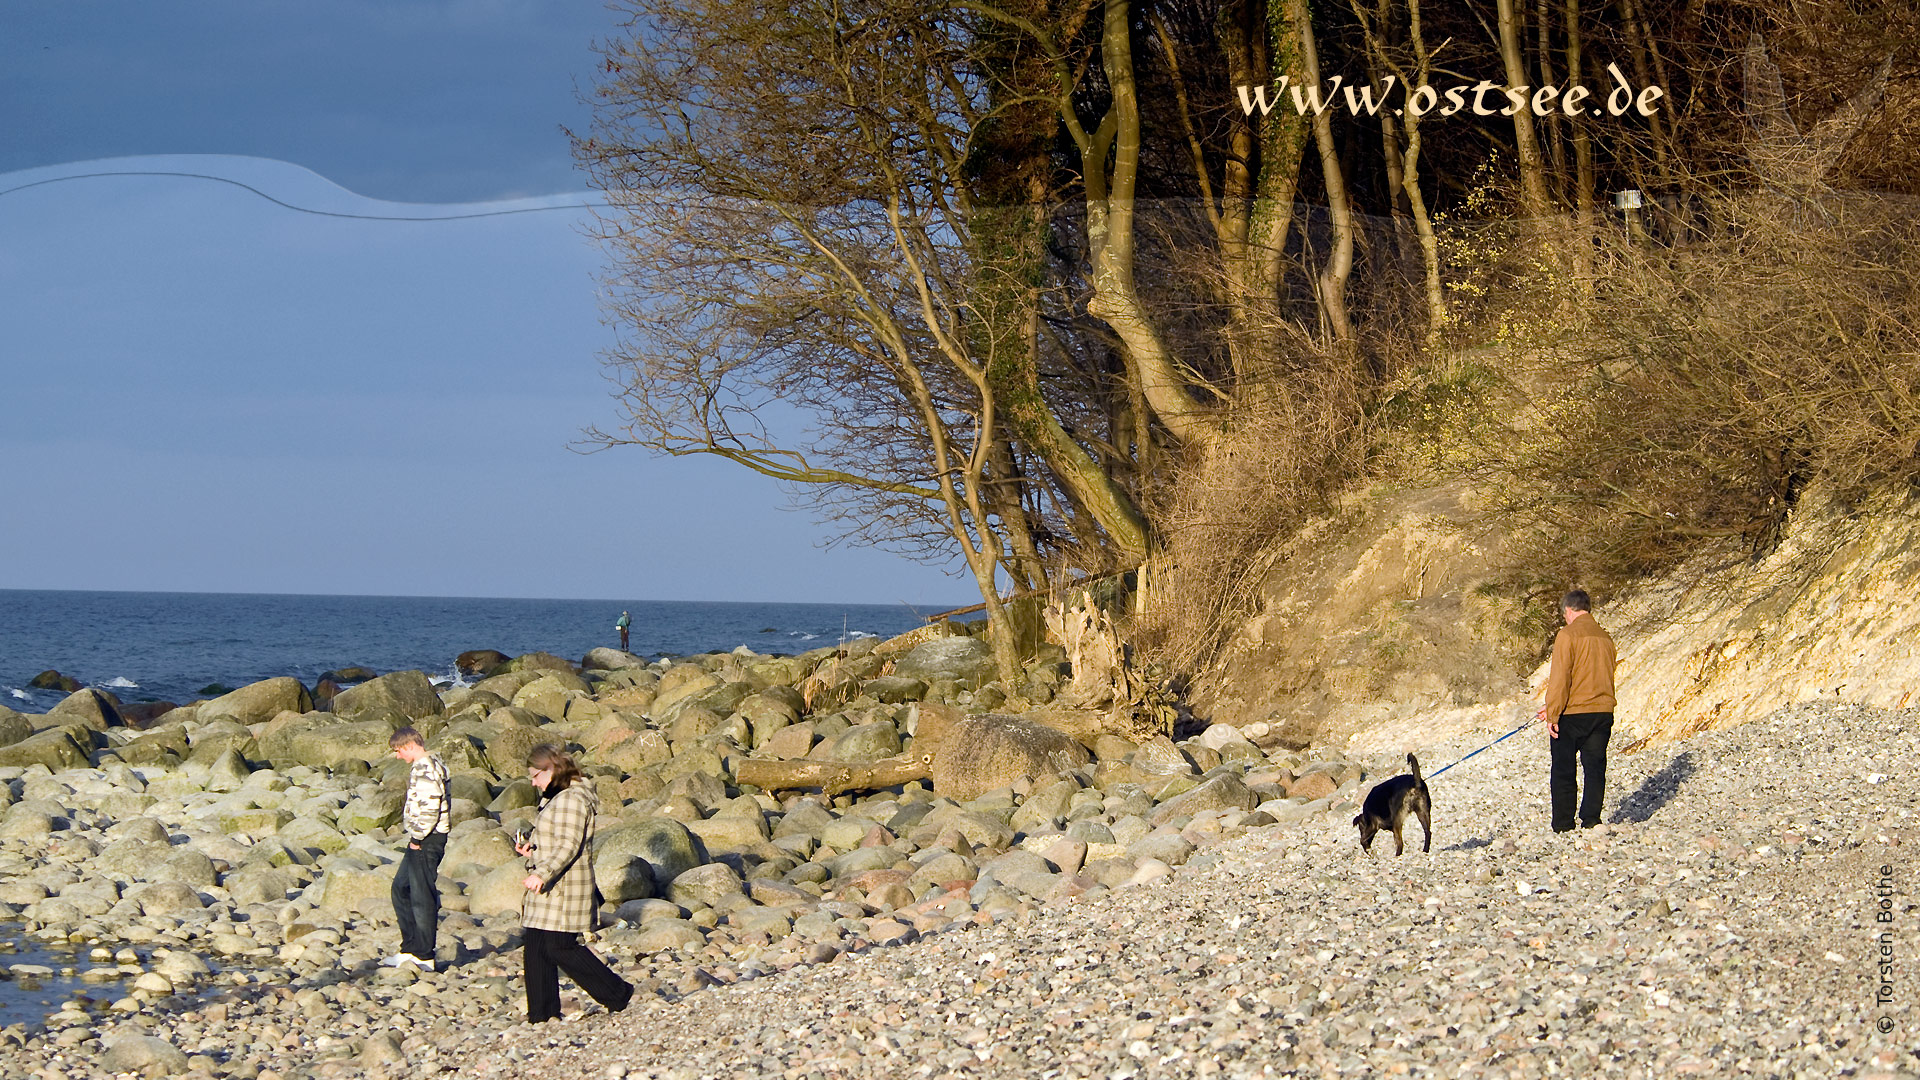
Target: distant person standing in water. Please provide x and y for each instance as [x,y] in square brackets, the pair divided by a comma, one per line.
[1579,711]
[621,625]
[427,816]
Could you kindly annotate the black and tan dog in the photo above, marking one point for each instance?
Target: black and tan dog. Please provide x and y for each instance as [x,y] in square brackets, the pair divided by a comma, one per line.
[1388,805]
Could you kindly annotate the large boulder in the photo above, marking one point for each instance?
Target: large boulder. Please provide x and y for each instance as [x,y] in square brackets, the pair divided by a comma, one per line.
[406,694]
[146,1055]
[705,886]
[53,680]
[331,746]
[93,708]
[259,702]
[549,694]
[13,727]
[992,751]
[629,858]
[1223,792]
[479,661]
[500,890]
[537,661]
[867,742]
[966,661]
[54,748]
[604,659]
[349,888]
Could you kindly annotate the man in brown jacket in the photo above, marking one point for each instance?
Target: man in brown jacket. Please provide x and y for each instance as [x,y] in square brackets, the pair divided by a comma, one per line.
[1579,711]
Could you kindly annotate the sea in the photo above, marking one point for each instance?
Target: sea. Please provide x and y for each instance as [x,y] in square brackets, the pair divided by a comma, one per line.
[154,646]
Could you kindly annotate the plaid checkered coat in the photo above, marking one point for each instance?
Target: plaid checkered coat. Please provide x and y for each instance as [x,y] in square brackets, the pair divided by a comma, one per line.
[563,859]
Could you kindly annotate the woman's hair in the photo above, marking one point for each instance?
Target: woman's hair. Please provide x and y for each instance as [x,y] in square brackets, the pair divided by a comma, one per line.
[549,756]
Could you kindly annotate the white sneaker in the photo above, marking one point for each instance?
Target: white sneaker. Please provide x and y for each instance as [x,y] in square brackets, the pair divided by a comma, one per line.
[419,963]
[396,960]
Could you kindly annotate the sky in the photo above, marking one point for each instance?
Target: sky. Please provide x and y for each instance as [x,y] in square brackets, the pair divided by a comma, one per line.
[203,390]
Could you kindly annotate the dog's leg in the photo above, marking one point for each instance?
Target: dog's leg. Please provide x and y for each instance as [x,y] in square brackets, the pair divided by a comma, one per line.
[1426,825]
[1399,847]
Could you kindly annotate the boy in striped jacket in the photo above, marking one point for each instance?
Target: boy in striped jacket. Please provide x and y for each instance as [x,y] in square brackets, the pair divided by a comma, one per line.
[426,817]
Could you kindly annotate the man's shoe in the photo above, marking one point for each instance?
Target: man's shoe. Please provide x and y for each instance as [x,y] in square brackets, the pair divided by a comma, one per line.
[396,960]
[409,958]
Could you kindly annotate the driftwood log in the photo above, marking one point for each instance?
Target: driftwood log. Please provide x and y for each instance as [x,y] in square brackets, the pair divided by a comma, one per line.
[834,777]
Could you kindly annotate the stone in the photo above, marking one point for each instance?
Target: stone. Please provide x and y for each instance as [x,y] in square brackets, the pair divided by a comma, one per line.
[966,661]
[54,748]
[867,742]
[679,683]
[181,864]
[894,689]
[605,659]
[13,727]
[659,934]
[95,709]
[537,661]
[479,661]
[549,694]
[794,741]
[992,751]
[348,888]
[705,886]
[629,858]
[310,834]
[636,752]
[766,714]
[500,889]
[1223,792]
[259,885]
[404,694]
[1314,784]
[259,702]
[147,1055]
[333,745]
[165,898]
[730,833]
[375,810]
[53,680]
[1169,848]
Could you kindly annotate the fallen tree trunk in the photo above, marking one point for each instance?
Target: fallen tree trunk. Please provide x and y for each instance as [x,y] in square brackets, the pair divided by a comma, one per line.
[834,777]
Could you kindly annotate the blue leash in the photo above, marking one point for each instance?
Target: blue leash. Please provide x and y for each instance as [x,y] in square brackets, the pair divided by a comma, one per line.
[1491,745]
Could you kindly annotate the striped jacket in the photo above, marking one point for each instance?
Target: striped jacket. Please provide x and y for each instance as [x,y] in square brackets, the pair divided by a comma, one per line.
[563,860]
[429,806]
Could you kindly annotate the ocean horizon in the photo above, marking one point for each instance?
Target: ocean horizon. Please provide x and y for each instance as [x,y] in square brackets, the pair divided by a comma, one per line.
[169,646]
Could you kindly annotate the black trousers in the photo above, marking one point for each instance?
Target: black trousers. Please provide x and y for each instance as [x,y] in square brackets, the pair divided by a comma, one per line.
[549,952]
[416,895]
[1584,735]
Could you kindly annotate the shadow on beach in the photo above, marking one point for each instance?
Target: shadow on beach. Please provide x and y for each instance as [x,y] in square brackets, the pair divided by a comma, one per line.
[1655,791]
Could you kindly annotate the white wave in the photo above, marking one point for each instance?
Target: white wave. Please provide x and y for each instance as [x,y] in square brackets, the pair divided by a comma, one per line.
[805,637]
[21,694]
[851,634]
[121,682]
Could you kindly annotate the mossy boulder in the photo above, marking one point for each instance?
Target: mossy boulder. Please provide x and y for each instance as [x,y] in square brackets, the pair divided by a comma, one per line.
[259,702]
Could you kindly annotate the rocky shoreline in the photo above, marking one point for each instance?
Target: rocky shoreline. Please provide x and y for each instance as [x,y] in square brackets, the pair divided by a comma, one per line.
[1154,908]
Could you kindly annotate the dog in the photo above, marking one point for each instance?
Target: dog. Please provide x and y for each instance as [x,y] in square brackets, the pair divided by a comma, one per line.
[1388,805]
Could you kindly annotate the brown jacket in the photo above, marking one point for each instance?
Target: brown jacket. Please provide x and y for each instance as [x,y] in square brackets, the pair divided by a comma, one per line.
[563,860]
[1580,678]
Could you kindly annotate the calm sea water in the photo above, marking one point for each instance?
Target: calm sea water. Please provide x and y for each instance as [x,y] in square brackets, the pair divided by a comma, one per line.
[166,646]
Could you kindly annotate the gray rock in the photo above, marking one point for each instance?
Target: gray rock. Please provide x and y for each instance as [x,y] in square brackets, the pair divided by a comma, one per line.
[965,661]
[375,810]
[705,886]
[349,888]
[990,752]
[333,745]
[147,1055]
[93,708]
[1224,792]
[500,890]
[257,703]
[259,885]
[165,898]
[604,659]
[1169,848]
[13,726]
[662,934]
[181,864]
[868,742]
[54,748]
[732,833]
[629,859]
[406,694]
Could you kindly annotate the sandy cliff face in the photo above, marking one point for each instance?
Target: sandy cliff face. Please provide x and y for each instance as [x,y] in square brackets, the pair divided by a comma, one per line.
[1376,629]
[1832,614]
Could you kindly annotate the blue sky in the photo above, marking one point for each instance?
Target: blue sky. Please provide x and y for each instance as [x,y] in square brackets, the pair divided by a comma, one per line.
[201,390]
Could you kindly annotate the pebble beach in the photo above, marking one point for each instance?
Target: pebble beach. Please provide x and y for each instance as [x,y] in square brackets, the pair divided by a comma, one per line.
[1214,918]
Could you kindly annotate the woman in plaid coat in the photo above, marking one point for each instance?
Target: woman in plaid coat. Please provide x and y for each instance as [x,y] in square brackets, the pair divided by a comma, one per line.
[561,897]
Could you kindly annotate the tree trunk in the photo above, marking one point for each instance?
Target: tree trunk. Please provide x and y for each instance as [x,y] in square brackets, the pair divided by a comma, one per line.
[1339,264]
[1534,201]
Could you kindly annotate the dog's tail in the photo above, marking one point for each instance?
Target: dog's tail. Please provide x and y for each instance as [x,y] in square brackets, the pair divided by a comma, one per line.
[1414,764]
